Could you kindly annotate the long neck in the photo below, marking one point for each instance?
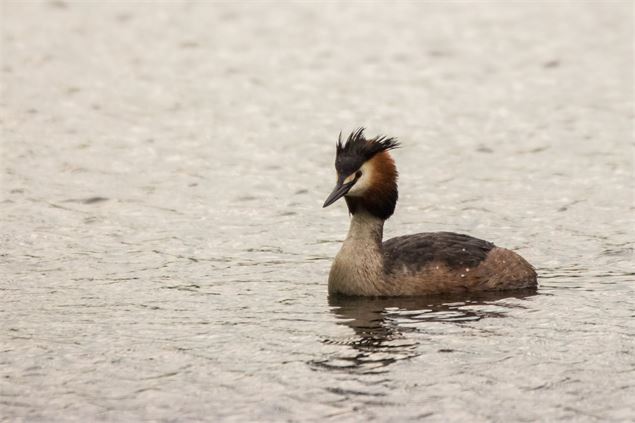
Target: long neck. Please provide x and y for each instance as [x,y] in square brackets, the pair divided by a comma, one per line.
[358,267]
[365,229]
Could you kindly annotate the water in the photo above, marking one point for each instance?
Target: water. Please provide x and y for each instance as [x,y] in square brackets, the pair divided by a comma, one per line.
[165,255]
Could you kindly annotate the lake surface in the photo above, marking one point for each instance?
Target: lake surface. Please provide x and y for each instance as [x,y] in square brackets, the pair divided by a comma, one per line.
[164,254]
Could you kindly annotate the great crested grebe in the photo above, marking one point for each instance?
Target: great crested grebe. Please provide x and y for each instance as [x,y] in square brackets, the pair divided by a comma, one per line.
[420,264]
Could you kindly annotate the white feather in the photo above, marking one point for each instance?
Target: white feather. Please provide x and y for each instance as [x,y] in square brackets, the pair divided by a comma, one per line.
[364,182]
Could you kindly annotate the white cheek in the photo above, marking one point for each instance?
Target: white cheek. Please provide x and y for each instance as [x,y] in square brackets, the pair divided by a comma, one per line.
[362,185]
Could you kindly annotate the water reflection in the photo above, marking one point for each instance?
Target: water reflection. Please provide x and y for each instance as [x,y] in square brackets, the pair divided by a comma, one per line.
[380,324]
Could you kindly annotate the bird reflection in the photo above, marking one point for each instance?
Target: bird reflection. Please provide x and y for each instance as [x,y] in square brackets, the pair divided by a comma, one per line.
[379,324]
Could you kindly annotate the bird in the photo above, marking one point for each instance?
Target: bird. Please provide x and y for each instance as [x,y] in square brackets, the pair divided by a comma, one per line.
[426,263]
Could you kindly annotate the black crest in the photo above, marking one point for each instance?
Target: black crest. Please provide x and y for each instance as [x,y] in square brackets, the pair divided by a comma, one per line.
[352,154]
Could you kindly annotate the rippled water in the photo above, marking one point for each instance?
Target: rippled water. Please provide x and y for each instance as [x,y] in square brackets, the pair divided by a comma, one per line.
[164,252]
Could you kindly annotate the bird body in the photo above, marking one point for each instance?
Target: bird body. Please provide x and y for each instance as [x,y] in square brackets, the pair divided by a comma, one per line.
[419,264]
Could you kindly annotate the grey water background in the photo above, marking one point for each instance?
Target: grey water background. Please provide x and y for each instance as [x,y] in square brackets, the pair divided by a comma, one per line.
[164,254]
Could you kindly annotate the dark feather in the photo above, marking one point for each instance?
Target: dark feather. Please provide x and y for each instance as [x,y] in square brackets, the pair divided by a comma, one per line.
[352,154]
[453,250]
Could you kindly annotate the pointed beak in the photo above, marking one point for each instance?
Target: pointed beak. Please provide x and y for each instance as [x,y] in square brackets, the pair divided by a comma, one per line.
[339,191]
